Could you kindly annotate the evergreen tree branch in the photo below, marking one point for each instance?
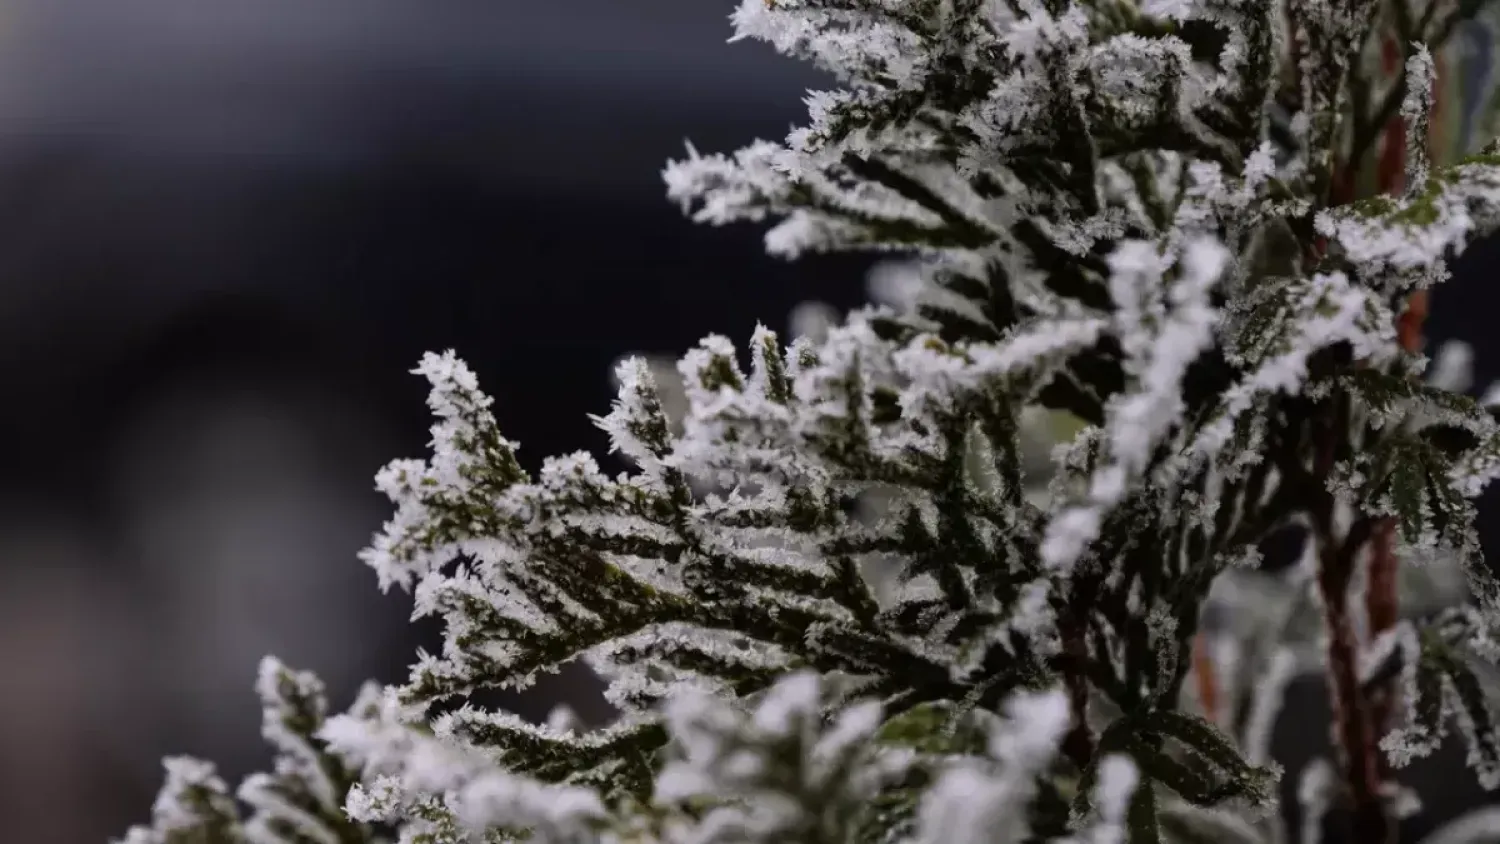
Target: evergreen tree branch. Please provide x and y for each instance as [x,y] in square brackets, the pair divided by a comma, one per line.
[826,599]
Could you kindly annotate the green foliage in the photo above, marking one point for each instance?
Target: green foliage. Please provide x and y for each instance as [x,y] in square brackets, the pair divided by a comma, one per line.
[1112,225]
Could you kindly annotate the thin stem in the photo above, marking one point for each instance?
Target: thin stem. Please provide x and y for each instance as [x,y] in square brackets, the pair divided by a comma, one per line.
[1073,664]
[1382,596]
[1207,678]
[1368,128]
[1079,744]
[1353,732]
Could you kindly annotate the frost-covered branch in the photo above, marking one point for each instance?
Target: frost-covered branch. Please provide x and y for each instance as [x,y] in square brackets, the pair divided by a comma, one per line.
[829,594]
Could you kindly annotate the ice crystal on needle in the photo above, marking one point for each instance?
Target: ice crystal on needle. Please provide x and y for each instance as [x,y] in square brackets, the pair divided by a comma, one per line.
[1124,213]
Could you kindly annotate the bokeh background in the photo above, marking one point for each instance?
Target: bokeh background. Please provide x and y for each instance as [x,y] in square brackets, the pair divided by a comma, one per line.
[227,232]
[229,229]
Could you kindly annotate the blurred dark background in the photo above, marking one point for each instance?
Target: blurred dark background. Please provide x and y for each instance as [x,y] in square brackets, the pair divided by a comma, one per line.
[227,231]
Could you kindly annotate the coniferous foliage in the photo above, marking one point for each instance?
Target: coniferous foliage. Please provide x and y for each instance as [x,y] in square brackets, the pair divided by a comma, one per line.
[1129,211]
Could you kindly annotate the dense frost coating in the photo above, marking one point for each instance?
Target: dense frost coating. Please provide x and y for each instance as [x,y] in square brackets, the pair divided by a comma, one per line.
[1124,210]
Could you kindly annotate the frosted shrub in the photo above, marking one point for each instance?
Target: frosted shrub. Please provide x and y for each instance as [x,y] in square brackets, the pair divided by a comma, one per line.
[832,601]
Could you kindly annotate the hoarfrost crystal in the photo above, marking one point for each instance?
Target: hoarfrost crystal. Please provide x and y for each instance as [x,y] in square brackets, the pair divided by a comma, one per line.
[837,595]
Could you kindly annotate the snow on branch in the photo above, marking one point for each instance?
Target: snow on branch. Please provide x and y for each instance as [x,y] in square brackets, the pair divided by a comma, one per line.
[1125,214]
